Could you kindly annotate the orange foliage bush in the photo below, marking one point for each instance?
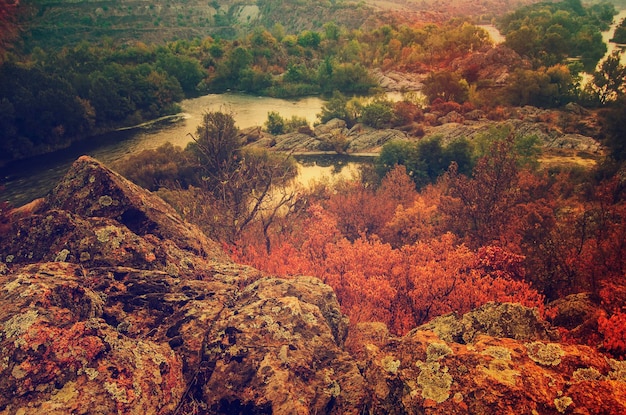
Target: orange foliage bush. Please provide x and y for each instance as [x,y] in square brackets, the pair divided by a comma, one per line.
[361,210]
[401,287]
[504,234]
[407,112]
[445,107]
[613,330]
[419,221]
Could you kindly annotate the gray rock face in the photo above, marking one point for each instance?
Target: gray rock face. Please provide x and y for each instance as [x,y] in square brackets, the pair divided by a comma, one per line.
[473,125]
[398,81]
[370,139]
[334,136]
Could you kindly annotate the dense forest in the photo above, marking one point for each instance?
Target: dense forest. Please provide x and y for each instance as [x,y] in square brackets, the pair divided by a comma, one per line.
[433,227]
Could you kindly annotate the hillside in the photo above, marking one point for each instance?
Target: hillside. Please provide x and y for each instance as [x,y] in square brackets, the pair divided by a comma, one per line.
[59,23]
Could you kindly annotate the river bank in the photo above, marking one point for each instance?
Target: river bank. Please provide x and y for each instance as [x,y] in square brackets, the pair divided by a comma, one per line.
[28,179]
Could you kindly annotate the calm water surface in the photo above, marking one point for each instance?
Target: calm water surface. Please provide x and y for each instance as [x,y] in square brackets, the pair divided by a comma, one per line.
[33,178]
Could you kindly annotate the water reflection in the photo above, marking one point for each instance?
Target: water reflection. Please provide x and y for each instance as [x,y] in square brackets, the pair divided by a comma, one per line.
[26,180]
[331,166]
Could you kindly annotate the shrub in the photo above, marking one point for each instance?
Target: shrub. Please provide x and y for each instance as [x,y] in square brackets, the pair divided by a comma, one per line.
[406,112]
[378,114]
[275,123]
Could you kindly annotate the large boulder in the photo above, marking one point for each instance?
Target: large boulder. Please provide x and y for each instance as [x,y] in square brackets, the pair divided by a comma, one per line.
[423,373]
[60,356]
[278,352]
[111,303]
[91,190]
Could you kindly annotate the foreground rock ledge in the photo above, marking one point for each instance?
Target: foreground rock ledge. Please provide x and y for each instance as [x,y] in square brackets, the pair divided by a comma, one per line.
[111,304]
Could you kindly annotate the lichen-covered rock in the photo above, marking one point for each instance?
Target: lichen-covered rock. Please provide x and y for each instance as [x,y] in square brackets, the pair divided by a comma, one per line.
[111,304]
[574,311]
[59,356]
[276,353]
[494,319]
[332,125]
[90,190]
[421,373]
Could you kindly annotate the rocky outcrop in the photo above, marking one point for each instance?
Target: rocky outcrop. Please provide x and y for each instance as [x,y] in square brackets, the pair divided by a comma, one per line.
[473,125]
[107,297]
[333,136]
[491,65]
[111,304]
[395,81]
[496,320]
[422,374]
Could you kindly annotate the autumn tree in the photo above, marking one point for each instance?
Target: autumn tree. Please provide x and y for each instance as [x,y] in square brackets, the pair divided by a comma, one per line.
[586,251]
[482,208]
[416,221]
[362,210]
[402,287]
[446,85]
[608,81]
[440,277]
[614,131]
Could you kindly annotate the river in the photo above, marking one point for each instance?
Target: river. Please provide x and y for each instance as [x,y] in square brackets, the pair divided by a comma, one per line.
[26,180]
[608,35]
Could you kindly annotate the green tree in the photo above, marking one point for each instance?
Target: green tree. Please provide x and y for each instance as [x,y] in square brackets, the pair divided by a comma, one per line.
[619,36]
[378,113]
[426,160]
[335,107]
[254,81]
[309,39]
[609,79]
[614,130]
[275,123]
[331,31]
[524,40]
[529,87]
[445,85]
[186,70]
[165,166]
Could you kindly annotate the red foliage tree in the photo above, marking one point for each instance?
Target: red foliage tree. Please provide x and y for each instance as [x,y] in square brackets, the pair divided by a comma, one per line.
[400,287]
[361,210]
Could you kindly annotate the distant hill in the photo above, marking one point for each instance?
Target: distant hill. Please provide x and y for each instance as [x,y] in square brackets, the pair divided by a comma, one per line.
[55,23]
